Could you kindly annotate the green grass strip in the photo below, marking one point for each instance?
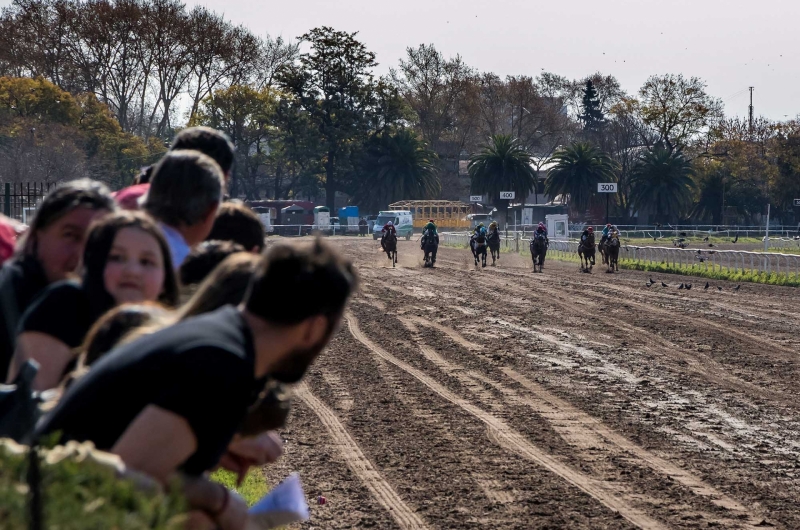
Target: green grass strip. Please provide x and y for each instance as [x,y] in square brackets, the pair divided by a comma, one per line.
[252,489]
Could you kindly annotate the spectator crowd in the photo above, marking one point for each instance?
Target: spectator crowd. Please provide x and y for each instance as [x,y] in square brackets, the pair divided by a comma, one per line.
[159,328]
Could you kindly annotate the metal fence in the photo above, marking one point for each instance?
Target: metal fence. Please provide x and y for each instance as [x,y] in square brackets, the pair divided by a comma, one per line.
[736,261]
[20,199]
[694,231]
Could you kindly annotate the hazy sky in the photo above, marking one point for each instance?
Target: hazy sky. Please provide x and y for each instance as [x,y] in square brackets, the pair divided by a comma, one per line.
[732,44]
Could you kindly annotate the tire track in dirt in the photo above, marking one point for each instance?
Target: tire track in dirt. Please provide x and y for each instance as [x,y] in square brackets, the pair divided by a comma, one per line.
[587,433]
[493,489]
[513,441]
[381,490]
[695,362]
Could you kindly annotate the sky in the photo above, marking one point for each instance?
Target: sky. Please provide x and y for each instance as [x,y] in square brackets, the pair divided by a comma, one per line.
[731,44]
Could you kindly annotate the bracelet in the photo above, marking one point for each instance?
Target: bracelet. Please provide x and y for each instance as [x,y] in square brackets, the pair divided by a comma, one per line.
[225,498]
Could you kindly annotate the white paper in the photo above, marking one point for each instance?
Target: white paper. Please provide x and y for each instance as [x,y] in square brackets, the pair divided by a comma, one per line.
[283,505]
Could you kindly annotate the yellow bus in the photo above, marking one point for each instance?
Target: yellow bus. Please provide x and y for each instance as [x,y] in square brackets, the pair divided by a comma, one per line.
[446,214]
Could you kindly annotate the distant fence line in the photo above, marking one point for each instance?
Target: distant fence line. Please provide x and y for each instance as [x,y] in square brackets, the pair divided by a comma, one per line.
[710,260]
[20,199]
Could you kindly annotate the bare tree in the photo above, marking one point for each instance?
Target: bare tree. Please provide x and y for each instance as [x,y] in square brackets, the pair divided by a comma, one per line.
[678,109]
[270,54]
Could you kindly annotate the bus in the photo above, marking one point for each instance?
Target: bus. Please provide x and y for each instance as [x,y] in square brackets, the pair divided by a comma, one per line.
[451,215]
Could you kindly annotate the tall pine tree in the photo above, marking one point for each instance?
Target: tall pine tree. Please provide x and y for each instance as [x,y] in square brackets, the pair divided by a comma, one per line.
[591,115]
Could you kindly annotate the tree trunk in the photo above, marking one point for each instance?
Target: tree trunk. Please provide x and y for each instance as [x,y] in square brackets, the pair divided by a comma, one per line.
[330,184]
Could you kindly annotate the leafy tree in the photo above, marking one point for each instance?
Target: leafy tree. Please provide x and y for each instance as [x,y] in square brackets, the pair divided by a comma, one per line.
[246,115]
[662,182]
[502,165]
[678,109]
[591,115]
[333,84]
[393,167]
[577,171]
[48,135]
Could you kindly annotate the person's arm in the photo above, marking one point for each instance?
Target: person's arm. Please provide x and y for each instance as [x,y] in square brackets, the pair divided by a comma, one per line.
[52,355]
[156,442]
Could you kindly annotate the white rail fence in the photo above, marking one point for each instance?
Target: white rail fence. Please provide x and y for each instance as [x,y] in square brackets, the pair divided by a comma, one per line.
[731,260]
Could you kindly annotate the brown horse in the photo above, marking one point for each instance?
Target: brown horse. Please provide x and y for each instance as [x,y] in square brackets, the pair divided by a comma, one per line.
[390,247]
[586,251]
[612,254]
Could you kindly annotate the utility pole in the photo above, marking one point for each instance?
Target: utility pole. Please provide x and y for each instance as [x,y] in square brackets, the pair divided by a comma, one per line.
[751,109]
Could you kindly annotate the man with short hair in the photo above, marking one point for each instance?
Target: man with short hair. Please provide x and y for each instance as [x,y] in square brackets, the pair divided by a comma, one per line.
[210,142]
[185,193]
[238,223]
[172,402]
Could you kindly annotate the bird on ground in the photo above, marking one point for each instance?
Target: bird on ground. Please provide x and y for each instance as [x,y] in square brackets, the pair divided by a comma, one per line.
[664,284]
[688,286]
[707,286]
[680,287]
[652,280]
[705,238]
[648,284]
[719,288]
[736,239]
[737,287]
[711,245]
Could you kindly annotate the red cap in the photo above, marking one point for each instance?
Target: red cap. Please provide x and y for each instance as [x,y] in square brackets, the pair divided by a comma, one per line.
[128,198]
[591,229]
[8,239]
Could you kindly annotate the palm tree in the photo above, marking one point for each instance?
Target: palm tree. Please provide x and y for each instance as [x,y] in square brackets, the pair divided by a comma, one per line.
[395,167]
[578,170]
[502,165]
[662,182]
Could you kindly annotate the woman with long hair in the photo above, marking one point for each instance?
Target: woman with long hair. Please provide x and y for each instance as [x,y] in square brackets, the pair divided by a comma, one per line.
[48,252]
[126,260]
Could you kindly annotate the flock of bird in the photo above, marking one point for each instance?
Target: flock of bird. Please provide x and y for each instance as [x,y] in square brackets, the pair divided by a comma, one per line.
[688,286]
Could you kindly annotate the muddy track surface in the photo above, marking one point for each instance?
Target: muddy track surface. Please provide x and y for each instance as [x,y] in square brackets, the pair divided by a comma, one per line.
[499,398]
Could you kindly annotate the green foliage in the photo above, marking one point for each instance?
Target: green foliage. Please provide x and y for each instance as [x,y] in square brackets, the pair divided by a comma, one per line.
[577,171]
[591,114]
[47,134]
[246,115]
[502,165]
[394,167]
[333,85]
[662,182]
[81,488]
[253,488]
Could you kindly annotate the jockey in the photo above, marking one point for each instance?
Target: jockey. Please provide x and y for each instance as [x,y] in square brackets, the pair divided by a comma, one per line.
[388,228]
[606,233]
[493,227]
[586,233]
[542,230]
[480,229]
[431,226]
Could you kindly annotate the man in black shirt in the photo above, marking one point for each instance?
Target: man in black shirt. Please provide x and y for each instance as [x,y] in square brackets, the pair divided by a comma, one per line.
[172,401]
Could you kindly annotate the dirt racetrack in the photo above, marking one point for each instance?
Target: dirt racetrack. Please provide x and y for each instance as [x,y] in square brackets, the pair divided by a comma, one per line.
[499,398]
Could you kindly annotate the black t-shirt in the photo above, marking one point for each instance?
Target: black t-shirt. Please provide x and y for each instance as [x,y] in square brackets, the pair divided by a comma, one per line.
[201,369]
[64,311]
[20,282]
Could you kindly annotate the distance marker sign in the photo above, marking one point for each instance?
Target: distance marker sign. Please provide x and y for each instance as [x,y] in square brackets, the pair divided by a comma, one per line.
[609,187]
[508,195]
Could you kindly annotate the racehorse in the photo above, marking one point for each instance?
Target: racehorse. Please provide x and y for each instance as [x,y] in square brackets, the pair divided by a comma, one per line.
[478,245]
[493,239]
[538,251]
[612,254]
[586,251]
[430,245]
[390,247]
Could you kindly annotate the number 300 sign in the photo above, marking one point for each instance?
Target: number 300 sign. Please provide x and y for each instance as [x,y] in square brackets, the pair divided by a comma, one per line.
[610,187]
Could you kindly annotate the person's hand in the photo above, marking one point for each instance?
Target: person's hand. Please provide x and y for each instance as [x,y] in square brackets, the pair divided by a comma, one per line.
[252,451]
[234,516]
[197,520]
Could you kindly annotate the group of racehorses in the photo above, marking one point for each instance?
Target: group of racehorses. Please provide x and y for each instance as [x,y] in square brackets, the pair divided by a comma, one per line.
[609,251]
[482,245]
